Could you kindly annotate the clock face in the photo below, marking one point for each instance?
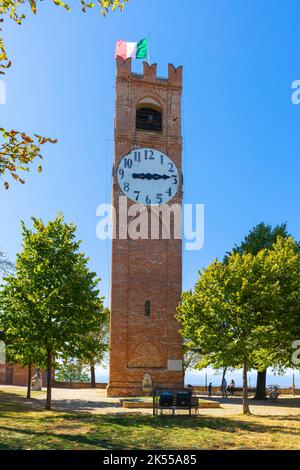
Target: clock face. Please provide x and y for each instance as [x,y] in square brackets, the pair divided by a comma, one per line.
[148,177]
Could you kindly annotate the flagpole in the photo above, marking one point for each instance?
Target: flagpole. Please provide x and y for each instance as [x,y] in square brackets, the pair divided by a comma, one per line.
[149,58]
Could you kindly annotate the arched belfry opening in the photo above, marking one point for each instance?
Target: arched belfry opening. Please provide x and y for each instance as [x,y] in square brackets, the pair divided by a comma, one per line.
[149,115]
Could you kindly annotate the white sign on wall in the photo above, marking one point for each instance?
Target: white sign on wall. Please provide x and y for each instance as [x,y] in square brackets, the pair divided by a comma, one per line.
[174,364]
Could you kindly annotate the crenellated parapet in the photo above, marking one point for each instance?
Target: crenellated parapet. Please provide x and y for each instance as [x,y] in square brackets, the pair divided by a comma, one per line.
[149,73]
[175,74]
[123,67]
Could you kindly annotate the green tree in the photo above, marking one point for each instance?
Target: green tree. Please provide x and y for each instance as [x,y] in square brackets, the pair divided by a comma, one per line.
[24,353]
[6,266]
[262,236]
[71,371]
[283,268]
[239,308]
[94,346]
[191,357]
[52,301]
[18,150]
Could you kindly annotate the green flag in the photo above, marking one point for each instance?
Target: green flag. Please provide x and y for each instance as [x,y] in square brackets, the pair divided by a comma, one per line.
[142,49]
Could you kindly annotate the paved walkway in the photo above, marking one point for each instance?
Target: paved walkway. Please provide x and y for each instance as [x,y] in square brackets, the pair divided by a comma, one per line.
[95,401]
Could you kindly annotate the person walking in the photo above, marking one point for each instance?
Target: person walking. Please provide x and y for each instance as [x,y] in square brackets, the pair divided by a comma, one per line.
[210,389]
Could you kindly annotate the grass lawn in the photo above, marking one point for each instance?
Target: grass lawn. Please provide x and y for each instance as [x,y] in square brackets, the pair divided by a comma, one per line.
[25,426]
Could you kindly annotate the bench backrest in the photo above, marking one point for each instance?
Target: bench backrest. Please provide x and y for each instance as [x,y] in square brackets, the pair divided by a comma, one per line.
[181,399]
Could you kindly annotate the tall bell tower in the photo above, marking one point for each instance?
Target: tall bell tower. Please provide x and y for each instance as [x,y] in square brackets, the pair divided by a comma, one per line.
[146,274]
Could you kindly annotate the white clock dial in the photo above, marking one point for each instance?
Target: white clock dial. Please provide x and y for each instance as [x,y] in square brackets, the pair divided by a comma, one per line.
[148,177]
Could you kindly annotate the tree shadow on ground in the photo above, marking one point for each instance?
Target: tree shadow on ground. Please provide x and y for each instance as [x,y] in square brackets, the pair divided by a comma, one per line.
[202,421]
[120,432]
[12,399]
[78,405]
[286,402]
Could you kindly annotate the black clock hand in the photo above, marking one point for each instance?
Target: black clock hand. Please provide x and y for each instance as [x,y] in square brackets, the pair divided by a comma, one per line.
[149,176]
[158,177]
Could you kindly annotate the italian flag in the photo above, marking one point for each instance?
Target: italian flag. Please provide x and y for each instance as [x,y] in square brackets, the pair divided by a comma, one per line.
[135,50]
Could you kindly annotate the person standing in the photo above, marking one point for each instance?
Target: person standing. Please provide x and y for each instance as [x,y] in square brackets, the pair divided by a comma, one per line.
[210,389]
[232,387]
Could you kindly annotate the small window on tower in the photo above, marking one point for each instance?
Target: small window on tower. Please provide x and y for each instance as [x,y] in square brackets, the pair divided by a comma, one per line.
[147,308]
[148,117]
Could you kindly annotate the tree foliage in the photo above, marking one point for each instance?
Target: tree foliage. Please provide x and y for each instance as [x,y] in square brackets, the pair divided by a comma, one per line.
[15,10]
[262,236]
[71,371]
[13,7]
[6,266]
[52,301]
[17,149]
[244,313]
[94,345]
[191,357]
[93,348]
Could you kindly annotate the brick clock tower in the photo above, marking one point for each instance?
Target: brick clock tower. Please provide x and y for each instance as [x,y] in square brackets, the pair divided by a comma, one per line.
[146,274]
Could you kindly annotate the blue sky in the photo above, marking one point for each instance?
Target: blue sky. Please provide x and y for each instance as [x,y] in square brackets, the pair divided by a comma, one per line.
[240,129]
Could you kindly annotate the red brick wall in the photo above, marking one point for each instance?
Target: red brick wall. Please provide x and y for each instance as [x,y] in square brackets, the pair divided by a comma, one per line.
[78,385]
[19,375]
[145,269]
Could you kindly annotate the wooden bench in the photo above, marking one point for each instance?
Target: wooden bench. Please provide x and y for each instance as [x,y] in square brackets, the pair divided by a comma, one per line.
[172,401]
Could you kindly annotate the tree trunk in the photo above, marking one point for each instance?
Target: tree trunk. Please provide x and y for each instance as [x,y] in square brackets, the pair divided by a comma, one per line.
[246,409]
[183,371]
[93,376]
[49,381]
[224,373]
[260,393]
[29,382]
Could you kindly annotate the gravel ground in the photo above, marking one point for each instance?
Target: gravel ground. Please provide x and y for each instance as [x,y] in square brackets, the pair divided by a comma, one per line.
[95,401]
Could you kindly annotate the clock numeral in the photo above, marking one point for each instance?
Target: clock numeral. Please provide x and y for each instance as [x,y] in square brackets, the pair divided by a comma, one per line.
[150,171]
[127,163]
[149,155]
[171,167]
[159,198]
[137,156]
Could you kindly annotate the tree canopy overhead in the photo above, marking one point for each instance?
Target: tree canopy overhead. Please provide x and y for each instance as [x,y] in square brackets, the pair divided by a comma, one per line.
[13,7]
[18,149]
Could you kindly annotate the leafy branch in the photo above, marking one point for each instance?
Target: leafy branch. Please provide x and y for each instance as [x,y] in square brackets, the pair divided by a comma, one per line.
[6,266]
[12,7]
[18,149]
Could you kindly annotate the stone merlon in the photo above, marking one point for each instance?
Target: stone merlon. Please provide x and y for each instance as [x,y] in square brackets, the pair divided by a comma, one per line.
[149,73]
